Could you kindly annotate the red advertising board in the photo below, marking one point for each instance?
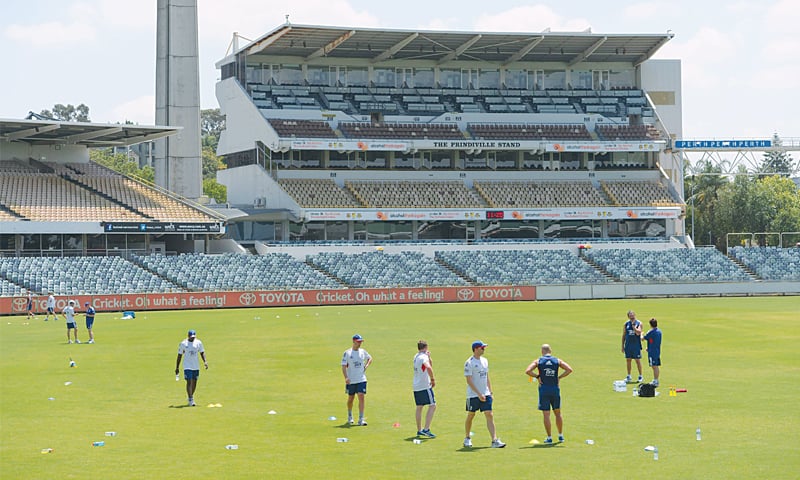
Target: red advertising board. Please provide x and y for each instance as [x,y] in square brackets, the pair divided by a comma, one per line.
[276,298]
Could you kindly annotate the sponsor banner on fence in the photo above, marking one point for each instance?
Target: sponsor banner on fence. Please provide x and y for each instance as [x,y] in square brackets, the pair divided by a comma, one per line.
[275,298]
[428,215]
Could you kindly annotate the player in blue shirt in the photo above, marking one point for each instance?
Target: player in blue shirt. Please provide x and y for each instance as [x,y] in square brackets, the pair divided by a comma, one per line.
[89,314]
[632,344]
[653,339]
[545,370]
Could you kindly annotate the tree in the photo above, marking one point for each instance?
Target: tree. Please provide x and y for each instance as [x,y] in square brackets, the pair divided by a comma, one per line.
[119,162]
[211,163]
[212,123]
[215,190]
[68,113]
[777,161]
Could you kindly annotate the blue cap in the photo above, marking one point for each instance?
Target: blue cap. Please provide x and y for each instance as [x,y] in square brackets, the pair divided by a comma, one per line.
[192,333]
[478,343]
[358,338]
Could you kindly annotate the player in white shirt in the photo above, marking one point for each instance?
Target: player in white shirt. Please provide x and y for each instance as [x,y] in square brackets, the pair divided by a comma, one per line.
[190,349]
[355,362]
[479,393]
[424,382]
[69,316]
[51,307]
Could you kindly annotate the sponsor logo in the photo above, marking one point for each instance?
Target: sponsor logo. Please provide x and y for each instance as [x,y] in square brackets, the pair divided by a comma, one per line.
[465,295]
[19,304]
[247,298]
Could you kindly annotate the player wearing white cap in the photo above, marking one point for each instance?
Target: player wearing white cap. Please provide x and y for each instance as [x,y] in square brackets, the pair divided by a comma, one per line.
[69,316]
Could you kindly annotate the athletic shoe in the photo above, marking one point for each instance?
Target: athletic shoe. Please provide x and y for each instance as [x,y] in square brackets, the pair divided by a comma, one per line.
[77,341]
[90,341]
[362,423]
[560,438]
[628,379]
[467,442]
[496,443]
[351,421]
[69,341]
[426,433]
[191,402]
[548,440]
[640,379]
[655,382]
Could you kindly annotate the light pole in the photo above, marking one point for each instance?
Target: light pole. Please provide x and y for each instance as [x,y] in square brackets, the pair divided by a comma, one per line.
[692,208]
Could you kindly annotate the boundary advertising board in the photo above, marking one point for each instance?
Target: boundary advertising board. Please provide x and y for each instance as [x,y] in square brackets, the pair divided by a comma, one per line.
[276,298]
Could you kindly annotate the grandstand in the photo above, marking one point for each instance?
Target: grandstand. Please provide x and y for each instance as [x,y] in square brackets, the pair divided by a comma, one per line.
[359,134]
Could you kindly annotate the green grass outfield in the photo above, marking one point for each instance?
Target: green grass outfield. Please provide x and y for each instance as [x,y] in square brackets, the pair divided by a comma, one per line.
[738,358]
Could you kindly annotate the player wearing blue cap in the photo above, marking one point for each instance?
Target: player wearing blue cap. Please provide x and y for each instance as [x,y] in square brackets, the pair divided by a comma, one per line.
[479,393]
[189,349]
[355,362]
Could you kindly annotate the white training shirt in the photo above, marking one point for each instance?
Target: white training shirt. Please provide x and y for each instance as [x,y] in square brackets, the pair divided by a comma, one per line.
[191,352]
[69,311]
[51,302]
[356,361]
[422,379]
[478,369]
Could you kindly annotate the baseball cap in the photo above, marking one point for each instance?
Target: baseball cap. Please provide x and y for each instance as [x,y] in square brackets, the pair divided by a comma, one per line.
[358,338]
[71,302]
[478,343]
[192,333]
[86,304]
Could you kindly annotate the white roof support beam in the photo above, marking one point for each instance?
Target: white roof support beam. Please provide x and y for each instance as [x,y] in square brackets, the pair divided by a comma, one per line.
[524,50]
[652,51]
[328,48]
[31,131]
[461,49]
[72,139]
[395,48]
[586,53]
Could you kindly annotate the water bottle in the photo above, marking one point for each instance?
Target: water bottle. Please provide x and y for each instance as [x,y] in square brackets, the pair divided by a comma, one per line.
[417,441]
[232,447]
[98,444]
[341,440]
[590,442]
[47,450]
[697,434]
[111,434]
[655,453]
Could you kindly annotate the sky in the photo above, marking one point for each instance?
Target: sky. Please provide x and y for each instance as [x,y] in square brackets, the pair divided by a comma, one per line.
[740,58]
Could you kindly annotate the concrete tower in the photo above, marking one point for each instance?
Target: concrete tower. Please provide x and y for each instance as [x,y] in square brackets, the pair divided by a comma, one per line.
[178,163]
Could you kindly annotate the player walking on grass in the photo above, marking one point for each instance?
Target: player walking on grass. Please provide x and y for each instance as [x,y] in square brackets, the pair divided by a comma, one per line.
[653,339]
[69,316]
[89,314]
[190,349]
[29,305]
[545,370]
[423,388]
[479,393]
[632,344]
[51,307]
[355,362]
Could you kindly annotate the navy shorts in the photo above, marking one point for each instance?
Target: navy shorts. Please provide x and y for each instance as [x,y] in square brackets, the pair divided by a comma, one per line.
[89,323]
[424,397]
[631,353]
[474,404]
[654,361]
[191,374]
[353,388]
[549,398]
[50,310]
[71,325]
